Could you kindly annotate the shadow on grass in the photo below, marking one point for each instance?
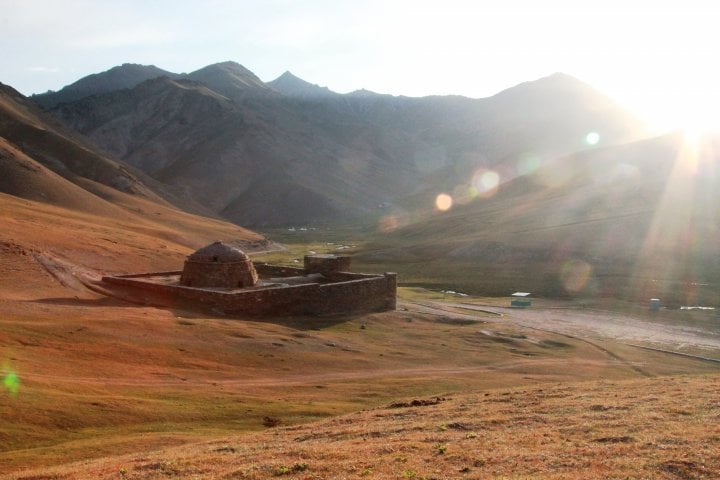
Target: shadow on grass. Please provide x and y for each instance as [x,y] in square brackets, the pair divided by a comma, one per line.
[83,302]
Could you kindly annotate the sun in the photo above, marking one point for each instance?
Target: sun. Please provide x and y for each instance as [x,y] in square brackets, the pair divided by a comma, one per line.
[698,125]
[695,110]
[696,132]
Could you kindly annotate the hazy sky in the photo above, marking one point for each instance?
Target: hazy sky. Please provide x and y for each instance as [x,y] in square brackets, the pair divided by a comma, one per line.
[657,57]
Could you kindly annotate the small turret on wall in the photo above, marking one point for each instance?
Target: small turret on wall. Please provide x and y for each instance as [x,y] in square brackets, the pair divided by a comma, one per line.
[327,263]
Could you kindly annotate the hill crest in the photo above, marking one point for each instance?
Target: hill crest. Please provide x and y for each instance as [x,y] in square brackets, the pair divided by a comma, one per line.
[289,84]
[230,79]
[337,156]
[120,77]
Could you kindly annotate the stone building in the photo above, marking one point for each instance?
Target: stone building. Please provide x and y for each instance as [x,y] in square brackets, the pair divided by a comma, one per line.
[224,278]
[218,266]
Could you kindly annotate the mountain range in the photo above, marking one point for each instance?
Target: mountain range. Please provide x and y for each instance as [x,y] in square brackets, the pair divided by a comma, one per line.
[549,187]
[289,152]
[565,212]
[638,220]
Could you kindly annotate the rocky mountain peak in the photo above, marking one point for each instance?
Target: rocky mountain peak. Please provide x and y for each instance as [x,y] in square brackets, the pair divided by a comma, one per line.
[230,79]
[294,86]
[127,75]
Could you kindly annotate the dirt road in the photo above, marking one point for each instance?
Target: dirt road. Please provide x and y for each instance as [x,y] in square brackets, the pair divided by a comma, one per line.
[606,324]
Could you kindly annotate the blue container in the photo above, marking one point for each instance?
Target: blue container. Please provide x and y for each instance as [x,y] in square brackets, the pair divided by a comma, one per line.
[654,304]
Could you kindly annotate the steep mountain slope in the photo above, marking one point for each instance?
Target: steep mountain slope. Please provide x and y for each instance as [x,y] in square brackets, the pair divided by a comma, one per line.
[546,117]
[70,213]
[187,135]
[23,177]
[126,75]
[70,155]
[637,219]
[59,148]
[58,173]
[264,158]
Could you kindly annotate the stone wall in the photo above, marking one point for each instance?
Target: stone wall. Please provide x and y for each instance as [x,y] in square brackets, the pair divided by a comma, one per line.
[326,263]
[368,293]
[347,276]
[151,274]
[365,294]
[267,270]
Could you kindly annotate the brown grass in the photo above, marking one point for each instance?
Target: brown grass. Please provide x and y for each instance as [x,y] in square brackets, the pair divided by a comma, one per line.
[111,383]
[598,430]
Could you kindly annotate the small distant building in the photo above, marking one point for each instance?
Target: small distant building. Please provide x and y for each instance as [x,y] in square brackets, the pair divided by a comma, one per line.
[521,300]
[223,277]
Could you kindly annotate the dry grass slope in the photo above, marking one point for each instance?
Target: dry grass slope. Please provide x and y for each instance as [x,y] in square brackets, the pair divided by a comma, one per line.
[599,430]
[106,387]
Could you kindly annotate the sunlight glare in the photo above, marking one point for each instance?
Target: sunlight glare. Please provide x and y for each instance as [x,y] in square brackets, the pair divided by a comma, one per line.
[592,138]
[443,202]
[689,155]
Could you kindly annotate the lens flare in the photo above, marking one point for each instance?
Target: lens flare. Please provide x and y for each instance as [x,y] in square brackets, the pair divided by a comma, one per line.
[388,223]
[575,275]
[527,163]
[486,182]
[490,180]
[463,194]
[11,382]
[592,138]
[443,202]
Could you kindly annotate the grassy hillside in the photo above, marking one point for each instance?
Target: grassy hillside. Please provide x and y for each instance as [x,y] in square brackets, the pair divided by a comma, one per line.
[90,377]
[598,430]
[634,221]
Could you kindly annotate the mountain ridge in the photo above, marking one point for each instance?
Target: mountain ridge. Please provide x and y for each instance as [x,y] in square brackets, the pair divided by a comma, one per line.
[292,85]
[230,79]
[339,154]
[43,144]
[119,77]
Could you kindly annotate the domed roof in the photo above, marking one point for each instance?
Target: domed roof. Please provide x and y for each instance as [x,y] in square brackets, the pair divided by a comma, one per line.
[218,252]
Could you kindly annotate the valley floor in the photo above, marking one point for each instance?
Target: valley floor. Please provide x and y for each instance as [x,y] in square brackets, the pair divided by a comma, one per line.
[94,387]
[102,379]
